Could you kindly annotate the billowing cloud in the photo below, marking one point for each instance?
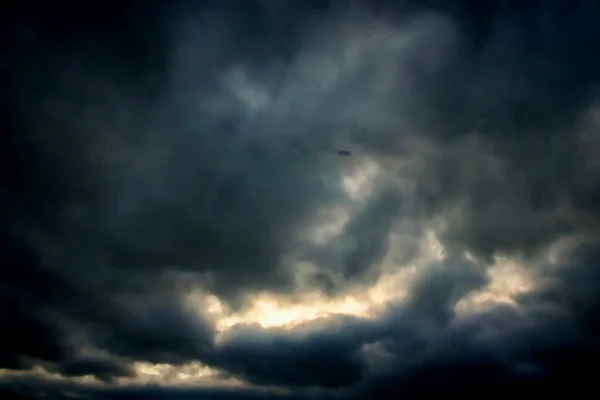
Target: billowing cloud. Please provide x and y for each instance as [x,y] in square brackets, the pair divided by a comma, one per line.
[415,185]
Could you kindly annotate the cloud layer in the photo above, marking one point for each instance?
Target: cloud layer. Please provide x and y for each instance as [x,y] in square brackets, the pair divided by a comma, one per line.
[171,169]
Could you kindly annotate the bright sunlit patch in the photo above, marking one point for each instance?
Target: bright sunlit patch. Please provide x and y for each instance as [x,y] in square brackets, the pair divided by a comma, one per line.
[269,311]
[507,280]
[193,373]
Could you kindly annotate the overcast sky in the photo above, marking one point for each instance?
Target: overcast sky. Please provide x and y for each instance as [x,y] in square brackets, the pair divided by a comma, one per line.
[299,199]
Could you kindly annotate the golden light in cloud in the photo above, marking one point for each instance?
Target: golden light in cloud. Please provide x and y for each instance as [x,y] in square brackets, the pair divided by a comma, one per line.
[269,311]
[507,280]
[194,373]
[191,374]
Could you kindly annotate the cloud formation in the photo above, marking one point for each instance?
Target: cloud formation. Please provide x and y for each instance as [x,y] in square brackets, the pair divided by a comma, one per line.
[168,169]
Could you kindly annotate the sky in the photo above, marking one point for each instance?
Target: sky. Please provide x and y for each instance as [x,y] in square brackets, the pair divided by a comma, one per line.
[299,200]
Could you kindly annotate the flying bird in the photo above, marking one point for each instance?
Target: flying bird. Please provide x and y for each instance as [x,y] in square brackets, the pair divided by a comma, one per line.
[344,153]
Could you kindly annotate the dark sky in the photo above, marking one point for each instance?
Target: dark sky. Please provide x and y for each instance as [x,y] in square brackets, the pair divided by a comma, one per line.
[287,199]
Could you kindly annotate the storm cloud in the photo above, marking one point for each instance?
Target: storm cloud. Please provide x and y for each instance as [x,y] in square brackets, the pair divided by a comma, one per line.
[164,167]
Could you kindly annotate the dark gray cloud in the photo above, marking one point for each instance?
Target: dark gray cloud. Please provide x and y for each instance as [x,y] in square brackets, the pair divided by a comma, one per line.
[320,355]
[330,353]
[196,147]
[34,388]
[104,368]
[545,345]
